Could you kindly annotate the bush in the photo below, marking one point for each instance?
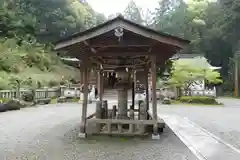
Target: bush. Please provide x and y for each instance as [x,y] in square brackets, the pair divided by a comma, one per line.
[54,101]
[73,81]
[28,96]
[53,83]
[3,83]
[198,100]
[13,105]
[39,84]
[4,100]
[10,105]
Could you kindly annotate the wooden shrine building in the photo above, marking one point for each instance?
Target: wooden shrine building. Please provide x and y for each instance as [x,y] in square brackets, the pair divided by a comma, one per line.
[126,48]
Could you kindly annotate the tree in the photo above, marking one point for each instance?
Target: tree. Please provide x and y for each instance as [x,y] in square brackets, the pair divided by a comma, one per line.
[210,26]
[133,13]
[27,30]
[186,73]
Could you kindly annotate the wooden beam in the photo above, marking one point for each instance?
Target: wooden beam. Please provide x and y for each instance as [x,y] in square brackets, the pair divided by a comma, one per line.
[124,121]
[88,45]
[127,66]
[97,59]
[117,57]
[126,54]
[120,45]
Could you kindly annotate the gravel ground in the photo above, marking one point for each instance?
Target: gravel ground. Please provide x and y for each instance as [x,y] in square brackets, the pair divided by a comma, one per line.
[223,122]
[50,133]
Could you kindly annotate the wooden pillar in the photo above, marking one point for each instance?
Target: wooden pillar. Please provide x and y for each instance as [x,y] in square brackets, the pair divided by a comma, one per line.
[85,95]
[133,89]
[146,85]
[101,78]
[154,79]
[154,97]
[135,79]
[98,83]
[81,72]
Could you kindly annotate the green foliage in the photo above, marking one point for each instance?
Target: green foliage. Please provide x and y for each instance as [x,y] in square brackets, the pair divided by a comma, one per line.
[4,100]
[28,96]
[3,83]
[186,72]
[212,27]
[198,100]
[54,101]
[53,83]
[13,105]
[27,28]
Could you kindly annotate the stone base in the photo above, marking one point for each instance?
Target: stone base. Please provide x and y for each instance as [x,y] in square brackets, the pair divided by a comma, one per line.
[155,136]
[81,135]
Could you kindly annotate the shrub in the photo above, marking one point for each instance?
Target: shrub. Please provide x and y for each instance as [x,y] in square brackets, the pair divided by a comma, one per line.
[53,83]
[3,83]
[198,100]
[10,105]
[73,81]
[54,101]
[3,107]
[39,84]
[28,96]
[4,100]
[13,105]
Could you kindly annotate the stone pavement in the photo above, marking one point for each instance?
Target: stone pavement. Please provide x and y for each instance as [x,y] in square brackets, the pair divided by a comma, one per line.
[50,133]
[202,143]
[219,123]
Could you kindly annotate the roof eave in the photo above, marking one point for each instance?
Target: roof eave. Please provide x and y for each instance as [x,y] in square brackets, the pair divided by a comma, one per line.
[112,24]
